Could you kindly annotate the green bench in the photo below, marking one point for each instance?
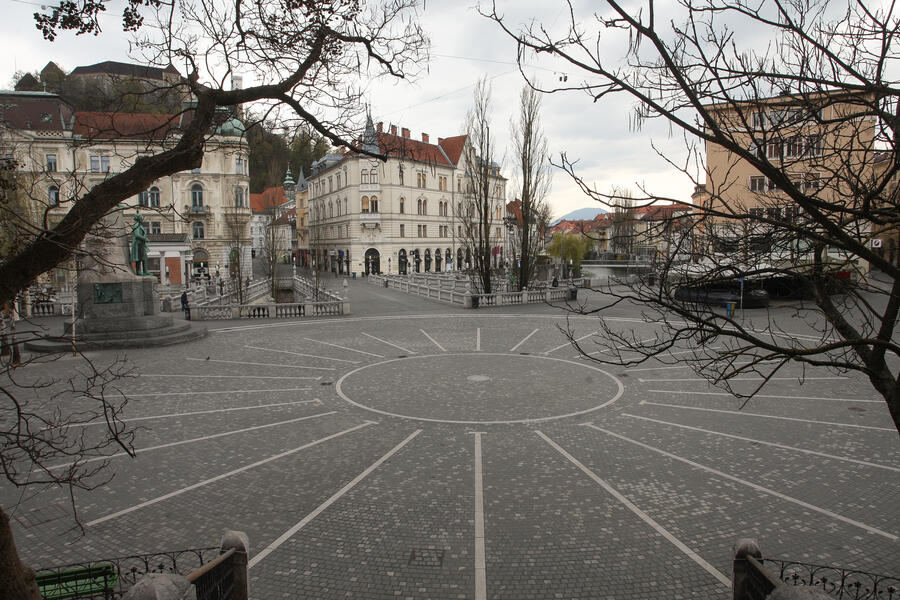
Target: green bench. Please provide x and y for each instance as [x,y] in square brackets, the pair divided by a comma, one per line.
[96,580]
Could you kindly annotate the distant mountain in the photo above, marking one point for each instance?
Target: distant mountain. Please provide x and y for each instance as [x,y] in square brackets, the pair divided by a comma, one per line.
[581,214]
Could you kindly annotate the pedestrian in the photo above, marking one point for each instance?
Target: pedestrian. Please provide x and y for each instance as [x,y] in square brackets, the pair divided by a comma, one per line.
[184,300]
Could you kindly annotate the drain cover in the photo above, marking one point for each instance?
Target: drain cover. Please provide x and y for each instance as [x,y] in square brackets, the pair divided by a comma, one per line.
[42,515]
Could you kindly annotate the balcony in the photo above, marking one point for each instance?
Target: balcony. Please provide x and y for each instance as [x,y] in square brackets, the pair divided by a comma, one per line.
[196,210]
[370,219]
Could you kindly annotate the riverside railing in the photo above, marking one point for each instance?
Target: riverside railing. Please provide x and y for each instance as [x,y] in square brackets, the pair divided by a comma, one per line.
[272,310]
[469,299]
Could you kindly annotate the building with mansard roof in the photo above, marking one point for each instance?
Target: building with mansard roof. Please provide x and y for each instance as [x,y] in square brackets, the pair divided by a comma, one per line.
[399,215]
[197,221]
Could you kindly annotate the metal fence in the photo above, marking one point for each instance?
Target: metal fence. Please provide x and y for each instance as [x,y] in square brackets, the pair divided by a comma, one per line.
[68,581]
[846,584]
[215,580]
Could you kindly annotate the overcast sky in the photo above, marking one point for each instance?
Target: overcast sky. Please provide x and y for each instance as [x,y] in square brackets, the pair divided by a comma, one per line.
[465,47]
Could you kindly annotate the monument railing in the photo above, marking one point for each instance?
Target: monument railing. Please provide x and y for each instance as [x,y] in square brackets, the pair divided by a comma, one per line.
[120,573]
[308,289]
[755,578]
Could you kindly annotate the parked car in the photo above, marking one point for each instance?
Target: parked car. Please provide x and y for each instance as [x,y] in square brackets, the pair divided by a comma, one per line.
[721,296]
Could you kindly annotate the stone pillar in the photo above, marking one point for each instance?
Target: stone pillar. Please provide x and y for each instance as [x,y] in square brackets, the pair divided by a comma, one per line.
[241,544]
[162,586]
[743,548]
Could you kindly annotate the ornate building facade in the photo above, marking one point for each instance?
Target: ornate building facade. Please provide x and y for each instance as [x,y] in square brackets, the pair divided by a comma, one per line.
[197,221]
[399,215]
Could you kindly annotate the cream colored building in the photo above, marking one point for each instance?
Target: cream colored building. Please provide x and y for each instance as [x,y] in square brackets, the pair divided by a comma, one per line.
[197,221]
[401,215]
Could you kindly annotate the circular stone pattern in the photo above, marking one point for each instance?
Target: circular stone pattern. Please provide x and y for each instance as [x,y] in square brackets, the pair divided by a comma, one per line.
[479,388]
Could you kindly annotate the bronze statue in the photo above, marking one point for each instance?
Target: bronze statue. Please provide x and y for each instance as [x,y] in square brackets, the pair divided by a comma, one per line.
[139,246]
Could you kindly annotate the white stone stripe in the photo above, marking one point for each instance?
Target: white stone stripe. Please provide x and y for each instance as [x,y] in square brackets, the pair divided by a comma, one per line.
[757,487]
[199,439]
[478,339]
[741,413]
[192,393]
[321,508]
[344,348]
[390,344]
[480,563]
[640,514]
[205,482]
[229,376]
[776,396]
[433,341]
[525,339]
[756,379]
[657,368]
[198,412]
[561,346]
[344,360]
[255,364]
[765,443]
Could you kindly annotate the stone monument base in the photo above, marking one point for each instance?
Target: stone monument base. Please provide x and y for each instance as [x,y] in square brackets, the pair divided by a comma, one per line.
[120,313]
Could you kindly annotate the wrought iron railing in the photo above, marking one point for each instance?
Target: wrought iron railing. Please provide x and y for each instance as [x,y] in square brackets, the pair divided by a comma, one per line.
[129,569]
[846,584]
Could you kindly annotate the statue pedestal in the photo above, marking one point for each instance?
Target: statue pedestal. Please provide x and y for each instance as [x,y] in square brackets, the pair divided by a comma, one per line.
[116,308]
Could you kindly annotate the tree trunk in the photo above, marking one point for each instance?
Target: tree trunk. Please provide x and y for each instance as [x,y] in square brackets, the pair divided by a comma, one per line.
[16,580]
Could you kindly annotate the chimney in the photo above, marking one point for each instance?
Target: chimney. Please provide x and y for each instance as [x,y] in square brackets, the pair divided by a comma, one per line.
[380,126]
[424,137]
[393,130]
[404,132]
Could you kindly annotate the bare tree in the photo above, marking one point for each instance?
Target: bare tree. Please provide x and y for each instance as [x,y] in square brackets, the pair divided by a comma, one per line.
[237,225]
[793,152]
[482,205]
[532,160]
[308,64]
[622,225]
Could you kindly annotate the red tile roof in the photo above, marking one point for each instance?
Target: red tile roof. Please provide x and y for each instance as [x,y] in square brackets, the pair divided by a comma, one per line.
[106,125]
[267,200]
[36,111]
[446,152]
[287,218]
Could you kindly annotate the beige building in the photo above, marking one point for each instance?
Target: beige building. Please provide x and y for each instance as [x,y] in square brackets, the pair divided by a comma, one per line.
[815,146]
[402,215]
[197,221]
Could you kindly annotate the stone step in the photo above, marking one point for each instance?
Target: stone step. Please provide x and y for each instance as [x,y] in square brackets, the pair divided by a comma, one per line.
[178,334]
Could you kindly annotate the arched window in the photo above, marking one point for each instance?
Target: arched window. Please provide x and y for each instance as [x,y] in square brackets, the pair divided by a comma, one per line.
[425,207]
[373,176]
[402,204]
[365,204]
[143,198]
[373,204]
[448,256]
[196,195]
[154,197]
[330,209]
[364,177]
[459,260]
[419,206]
[198,230]
[338,208]
[239,197]
[346,210]
[53,195]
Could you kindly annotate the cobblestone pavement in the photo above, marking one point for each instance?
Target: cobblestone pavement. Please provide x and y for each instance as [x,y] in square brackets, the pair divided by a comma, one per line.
[437,453]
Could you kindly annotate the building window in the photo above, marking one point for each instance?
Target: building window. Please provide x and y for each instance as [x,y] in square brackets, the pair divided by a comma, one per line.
[401,174]
[813,181]
[773,150]
[373,204]
[198,230]
[154,197]
[330,210]
[757,183]
[756,212]
[99,164]
[402,204]
[373,176]
[196,195]
[814,145]
[240,166]
[402,230]
[51,163]
[337,181]
[424,206]
[364,176]
[794,147]
[144,198]
[365,204]
[53,195]
[239,197]
[155,227]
